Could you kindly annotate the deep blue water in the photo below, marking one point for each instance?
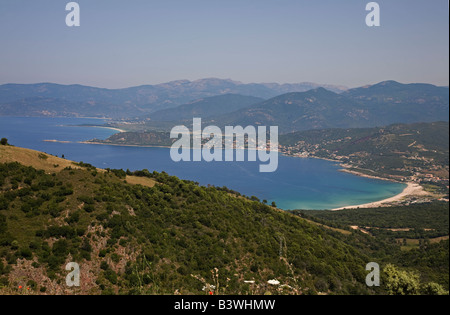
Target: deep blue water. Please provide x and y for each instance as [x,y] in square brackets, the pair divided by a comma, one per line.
[297,184]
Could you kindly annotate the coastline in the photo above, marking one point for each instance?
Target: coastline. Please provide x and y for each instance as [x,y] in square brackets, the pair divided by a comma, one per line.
[112,128]
[413,189]
[346,170]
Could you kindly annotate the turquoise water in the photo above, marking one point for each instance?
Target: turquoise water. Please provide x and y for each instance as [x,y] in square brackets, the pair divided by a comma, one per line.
[297,184]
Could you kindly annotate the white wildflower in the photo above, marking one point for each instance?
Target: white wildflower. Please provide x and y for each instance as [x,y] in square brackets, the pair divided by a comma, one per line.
[209,287]
[273,282]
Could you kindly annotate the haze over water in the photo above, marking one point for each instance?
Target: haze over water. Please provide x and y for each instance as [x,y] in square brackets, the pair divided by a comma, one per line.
[297,184]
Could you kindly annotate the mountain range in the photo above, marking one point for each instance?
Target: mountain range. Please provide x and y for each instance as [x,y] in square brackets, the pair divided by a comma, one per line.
[292,107]
[48,99]
[378,105]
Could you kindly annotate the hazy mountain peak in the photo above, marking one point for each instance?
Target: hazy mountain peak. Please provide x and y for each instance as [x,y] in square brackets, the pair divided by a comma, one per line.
[389,82]
[216,81]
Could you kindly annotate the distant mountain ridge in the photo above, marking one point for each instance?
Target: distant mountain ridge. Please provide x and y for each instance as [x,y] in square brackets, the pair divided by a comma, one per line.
[226,102]
[314,109]
[21,99]
[382,104]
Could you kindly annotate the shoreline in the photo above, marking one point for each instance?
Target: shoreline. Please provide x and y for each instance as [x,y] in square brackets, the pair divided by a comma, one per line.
[412,189]
[105,127]
[112,128]
[346,170]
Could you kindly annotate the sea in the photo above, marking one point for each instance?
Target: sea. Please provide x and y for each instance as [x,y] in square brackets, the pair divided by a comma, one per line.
[299,183]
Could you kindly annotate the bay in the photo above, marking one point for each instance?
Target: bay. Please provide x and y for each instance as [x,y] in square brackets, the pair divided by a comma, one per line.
[311,184]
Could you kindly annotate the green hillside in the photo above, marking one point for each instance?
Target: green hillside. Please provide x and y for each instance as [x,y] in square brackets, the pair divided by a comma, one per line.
[154,138]
[135,239]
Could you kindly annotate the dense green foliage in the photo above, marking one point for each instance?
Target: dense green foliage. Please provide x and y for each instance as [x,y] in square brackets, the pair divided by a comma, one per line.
[151,240]
[400,282]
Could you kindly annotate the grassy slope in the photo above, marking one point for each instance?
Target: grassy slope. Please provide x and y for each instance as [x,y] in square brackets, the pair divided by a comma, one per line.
[28,157]
[50,163]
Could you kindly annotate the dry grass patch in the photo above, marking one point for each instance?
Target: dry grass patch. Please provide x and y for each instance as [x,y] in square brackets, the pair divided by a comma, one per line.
[415,243]
[38,160]
[144,181]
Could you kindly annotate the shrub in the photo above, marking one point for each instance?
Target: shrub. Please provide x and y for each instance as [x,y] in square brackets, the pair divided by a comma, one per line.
[42,156]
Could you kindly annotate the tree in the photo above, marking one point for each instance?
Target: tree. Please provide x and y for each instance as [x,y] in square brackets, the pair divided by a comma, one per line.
[4,141]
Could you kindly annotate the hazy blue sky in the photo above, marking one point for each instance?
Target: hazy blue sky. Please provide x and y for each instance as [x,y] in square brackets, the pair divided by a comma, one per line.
[123,43]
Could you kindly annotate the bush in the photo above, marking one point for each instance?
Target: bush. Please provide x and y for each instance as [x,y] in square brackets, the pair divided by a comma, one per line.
[4,141]
[42,156]
[89,208]
[25,253]
[104,265]
[433,289]
[401,282]
[111,276]
[3,225]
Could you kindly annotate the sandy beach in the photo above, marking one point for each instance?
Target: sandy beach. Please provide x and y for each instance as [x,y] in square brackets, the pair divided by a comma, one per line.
[112,128]
[412,189]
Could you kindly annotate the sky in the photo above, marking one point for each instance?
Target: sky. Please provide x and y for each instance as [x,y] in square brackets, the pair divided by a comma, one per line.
[123,43]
